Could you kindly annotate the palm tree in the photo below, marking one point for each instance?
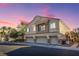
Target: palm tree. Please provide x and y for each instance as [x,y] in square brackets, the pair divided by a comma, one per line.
[22,29]
[9,29]
[11,34]
[3,33]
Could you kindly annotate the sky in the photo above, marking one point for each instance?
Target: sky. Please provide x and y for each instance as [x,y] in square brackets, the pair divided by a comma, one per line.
[11,14]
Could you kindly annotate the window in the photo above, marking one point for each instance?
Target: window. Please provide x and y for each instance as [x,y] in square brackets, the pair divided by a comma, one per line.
[34,28]
[52,25]
[28,29]
[42,27]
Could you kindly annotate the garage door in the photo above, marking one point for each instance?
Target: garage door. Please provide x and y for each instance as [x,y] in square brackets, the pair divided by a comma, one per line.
[54,40]
[29,39]
[41,40]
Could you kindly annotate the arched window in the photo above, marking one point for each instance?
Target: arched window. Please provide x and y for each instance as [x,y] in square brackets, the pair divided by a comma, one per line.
[34,28]
[28,29]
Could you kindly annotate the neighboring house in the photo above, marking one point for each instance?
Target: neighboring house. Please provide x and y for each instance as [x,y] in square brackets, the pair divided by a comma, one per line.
[45,30]
[76,30]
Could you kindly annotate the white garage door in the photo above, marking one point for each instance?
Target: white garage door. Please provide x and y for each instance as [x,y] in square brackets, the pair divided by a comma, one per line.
[54,40]
[41,40]
[29,40]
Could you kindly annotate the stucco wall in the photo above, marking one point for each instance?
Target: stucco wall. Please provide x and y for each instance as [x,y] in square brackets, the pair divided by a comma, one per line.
[63,28]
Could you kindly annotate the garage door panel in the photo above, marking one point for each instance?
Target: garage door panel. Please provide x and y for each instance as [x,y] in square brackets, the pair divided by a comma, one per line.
[54,41]
[29,40]
[42,40]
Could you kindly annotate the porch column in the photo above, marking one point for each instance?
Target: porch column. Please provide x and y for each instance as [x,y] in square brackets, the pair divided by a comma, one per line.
[48,40]
[25,39]
[34,38]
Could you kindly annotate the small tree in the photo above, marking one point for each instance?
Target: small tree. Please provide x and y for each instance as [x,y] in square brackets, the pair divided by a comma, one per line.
[13,34]
[72,36]
[67,36]
[3,33]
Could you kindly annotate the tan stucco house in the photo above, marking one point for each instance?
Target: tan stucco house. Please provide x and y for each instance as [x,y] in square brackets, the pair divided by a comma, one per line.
[46,30]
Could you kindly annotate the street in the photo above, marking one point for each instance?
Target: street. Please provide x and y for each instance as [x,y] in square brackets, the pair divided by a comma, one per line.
[42,51]
[23,50]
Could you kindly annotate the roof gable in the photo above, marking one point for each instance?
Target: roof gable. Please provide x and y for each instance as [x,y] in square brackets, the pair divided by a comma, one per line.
[39,19]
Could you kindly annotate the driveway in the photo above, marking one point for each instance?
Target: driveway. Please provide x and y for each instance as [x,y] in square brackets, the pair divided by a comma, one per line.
[29,49]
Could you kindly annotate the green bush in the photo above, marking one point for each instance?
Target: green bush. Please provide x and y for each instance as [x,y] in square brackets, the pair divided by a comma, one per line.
[19,40]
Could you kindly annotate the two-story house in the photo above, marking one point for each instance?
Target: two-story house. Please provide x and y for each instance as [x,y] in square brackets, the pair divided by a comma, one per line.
[46,30]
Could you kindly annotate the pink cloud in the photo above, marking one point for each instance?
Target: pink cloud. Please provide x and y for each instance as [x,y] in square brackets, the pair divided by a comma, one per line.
[6,22]
[18,18]
[3,5]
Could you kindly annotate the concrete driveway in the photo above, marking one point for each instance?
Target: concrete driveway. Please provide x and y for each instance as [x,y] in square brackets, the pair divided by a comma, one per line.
[8,48]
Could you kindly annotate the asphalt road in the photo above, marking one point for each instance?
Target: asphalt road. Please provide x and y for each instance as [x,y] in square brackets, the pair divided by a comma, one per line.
[35,51]
[42,51]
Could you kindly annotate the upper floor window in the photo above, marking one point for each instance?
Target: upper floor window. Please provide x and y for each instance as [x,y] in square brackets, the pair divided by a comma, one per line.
[52,25]
[42,27]
[34,28]
[28,29]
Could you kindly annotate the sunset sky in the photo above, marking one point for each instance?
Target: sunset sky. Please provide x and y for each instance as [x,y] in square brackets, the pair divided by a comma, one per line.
[12,14]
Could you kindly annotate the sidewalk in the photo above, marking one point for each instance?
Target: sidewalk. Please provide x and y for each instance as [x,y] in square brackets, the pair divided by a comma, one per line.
[74,45]
[2,54]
